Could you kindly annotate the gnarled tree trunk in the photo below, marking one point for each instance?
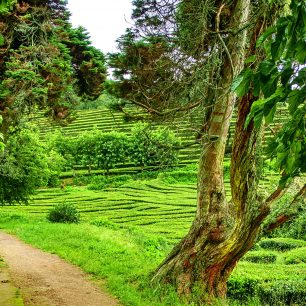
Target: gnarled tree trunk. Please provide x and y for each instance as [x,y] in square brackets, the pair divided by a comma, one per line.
[222,231]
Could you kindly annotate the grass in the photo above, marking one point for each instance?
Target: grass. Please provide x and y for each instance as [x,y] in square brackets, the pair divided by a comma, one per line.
[126,231]
[9,295]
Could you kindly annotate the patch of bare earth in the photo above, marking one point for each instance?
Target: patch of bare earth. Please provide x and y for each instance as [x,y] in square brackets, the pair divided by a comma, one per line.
[46,280]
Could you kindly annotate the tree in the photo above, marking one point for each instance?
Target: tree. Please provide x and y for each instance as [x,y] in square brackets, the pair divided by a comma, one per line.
[204,47]
[44,62]
[26,164]
[47,65]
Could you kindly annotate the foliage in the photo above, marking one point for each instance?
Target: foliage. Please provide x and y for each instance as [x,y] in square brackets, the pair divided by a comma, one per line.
[105,151]
[100,182]
[65,146]
[295,228]
[260,257]
[111,149]
[63,213]
[25,165]
[1,138]
[296,256]
[280,80]
[46,63]
[87,61]
[283,293]
[149,147]
[6,6]
[281,244]
[241,288]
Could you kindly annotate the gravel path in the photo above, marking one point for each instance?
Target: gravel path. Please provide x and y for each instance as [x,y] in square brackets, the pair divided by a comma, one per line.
[46,280]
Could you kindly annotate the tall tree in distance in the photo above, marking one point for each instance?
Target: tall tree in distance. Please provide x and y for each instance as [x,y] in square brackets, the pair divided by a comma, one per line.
[44,62]
[186,55]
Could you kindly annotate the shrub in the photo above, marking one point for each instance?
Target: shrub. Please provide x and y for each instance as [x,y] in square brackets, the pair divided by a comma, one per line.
[178,176]
[64,213]
[111,149]
[260,257]
[241,287]
[289,292]
[97,182]
[296,256]
[295,228]
[281,244]
[100,182]
[25,164]
[65,146]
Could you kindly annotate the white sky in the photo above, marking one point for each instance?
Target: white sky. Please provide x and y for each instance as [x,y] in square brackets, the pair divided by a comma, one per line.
[105,20]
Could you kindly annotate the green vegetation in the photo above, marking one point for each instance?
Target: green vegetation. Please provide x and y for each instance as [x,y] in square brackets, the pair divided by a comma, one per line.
[63,213]
[203,218]
[26,164]
[104,151]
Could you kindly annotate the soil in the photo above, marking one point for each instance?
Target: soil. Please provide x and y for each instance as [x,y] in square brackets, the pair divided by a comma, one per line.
[46,280]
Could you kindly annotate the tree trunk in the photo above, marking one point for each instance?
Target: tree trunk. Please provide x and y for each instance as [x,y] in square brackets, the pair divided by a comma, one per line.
[204,259]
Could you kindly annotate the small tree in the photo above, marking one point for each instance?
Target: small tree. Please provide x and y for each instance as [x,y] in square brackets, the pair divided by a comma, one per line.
[153,148]
[25,165]
[111,149]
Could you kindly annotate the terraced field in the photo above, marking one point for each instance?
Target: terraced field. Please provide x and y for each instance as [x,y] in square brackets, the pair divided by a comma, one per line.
[153,205]
[104,119]
[159,209]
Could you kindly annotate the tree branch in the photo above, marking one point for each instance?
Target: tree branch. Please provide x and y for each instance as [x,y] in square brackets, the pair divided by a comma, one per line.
[284,217]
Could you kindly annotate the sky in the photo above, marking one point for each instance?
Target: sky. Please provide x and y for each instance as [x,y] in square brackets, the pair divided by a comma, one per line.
[105,20]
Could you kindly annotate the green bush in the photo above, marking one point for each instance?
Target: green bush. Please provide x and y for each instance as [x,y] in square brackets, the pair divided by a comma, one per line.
[103,222]
[25,165]
[281,244]
[111,149]
[241,288]
[296,256]
[260,257]
[177,176]
[65,146]
[64,213]
[295,228]
[289,292]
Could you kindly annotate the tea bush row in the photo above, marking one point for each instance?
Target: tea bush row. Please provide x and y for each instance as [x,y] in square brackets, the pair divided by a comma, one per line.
[278,292]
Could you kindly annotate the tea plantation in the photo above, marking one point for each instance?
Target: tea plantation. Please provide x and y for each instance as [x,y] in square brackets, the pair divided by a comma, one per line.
[131,219]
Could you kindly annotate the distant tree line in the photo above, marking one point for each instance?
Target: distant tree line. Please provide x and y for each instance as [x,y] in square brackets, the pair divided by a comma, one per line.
[104,151]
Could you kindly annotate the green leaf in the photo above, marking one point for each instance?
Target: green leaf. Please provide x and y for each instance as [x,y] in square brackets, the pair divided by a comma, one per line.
[266,67]
[270,116]
[241,84]
[250,59]
[265,35]
[2,40]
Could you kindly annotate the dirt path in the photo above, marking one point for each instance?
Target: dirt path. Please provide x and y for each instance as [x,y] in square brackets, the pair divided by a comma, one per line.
[47,280]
